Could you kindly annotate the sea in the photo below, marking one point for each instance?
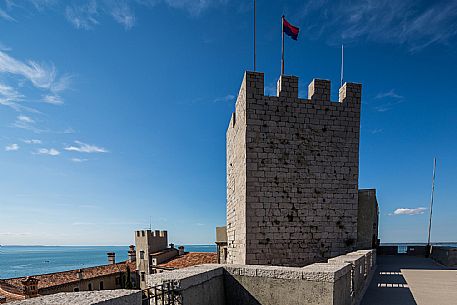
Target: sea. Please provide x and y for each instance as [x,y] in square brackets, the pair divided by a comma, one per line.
[18,261]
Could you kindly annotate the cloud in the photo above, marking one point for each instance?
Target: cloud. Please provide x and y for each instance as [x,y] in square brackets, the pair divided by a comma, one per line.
[86,148]
[376,130]
[416,24]
[123,14]
[53,99]
[78,160]
[46,151]
[82,16]
[389,94]
[12,147]
[227,98]
[393,100]
[27,123]
[25,119]
[4,15]
[405,211]
[42,76]
[32,141]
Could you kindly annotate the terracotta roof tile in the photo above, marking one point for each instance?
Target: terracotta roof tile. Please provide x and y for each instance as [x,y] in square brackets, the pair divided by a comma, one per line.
[191,259]
[60,278]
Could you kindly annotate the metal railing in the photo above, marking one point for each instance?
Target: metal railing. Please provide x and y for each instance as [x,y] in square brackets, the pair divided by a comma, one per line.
[164,294]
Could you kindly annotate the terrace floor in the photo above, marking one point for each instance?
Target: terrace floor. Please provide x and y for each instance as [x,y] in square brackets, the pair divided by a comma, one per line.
[411,280]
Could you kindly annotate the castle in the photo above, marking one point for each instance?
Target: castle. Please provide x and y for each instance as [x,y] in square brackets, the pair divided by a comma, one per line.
[292,175]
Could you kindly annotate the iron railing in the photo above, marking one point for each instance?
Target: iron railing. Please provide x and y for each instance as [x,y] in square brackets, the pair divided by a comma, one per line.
[164,294]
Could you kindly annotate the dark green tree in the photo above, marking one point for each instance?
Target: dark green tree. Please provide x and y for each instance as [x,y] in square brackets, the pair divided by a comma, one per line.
[128,279]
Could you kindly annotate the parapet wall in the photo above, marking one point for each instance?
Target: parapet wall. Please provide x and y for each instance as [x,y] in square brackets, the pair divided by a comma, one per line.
[105,297]
[341,281]
[292,173]
[445,255]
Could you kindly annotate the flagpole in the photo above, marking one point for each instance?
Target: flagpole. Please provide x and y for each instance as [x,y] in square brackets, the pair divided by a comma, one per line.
[254,35]
[342,65]
[282,49]
[431,207]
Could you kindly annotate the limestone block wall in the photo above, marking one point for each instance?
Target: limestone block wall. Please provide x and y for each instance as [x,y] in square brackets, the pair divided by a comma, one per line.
[367,219]
[105,297]
[292,173]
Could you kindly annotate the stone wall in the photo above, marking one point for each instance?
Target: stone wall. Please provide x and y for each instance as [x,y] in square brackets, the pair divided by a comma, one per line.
[367,219]
[292,173]
[445,255]
[341,281]
[106,297]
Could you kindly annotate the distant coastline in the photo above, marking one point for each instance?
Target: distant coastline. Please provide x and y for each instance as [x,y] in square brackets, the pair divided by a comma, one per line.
[18,261]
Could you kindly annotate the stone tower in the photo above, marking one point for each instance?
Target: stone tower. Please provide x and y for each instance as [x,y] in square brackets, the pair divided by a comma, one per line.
[292,173]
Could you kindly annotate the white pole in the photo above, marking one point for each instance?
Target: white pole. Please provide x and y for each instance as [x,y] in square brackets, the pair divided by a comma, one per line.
[431,202]
[342,65]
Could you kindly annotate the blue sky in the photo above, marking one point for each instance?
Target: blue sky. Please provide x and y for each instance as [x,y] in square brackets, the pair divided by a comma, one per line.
[113,113]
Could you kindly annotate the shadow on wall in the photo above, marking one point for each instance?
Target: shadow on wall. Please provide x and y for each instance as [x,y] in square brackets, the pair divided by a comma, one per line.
[236,294]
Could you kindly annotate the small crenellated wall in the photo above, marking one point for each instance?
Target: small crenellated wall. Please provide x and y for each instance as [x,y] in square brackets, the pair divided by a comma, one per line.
[341,281]
[292,173]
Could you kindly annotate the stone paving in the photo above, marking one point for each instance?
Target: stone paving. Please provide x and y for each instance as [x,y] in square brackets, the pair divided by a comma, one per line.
[410,280]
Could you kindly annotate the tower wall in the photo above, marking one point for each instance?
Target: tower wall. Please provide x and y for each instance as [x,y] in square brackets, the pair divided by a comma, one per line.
[292,173]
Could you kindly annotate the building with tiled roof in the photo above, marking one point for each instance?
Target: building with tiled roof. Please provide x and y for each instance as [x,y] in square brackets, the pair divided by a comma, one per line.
[111,276]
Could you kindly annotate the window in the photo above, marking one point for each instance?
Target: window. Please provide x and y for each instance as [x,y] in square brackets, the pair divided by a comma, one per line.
[138,233]
[89,287]
[101,285]
[141,254]
[142,233]
[76,289]
[142,277]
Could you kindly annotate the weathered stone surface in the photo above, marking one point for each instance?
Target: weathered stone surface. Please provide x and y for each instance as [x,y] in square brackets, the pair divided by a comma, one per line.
[105,297]
[292,173]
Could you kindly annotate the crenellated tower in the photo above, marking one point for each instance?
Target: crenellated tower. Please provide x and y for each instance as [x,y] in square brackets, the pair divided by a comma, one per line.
[292,173]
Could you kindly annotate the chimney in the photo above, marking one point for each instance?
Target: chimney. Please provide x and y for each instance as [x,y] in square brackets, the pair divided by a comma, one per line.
[111,258]
[181,250]
[30,287]
[79,274]
[132,254]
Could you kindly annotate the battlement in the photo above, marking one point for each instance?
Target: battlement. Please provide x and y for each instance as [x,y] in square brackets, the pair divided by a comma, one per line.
[287,87]
[150,233]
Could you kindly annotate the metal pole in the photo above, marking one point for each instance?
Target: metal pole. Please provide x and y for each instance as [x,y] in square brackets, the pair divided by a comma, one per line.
[342,65]
[282,49]
[254,35]
[431,202]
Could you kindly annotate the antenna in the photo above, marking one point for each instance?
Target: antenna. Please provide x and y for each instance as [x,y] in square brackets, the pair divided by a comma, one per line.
[342,65]
[150,223]
[431,206]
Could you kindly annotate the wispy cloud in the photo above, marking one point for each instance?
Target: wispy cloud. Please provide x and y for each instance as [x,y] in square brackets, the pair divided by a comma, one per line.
[376,131]
[82,16]
[123,14]
[42,76]
[27,123]
[406,211]
[391,94]
[227,98]
[12,147]
[45,151]
[25,119]
[4,15]
[32,141]
[78,160]
[85,148]
[416,24]
[389,100]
